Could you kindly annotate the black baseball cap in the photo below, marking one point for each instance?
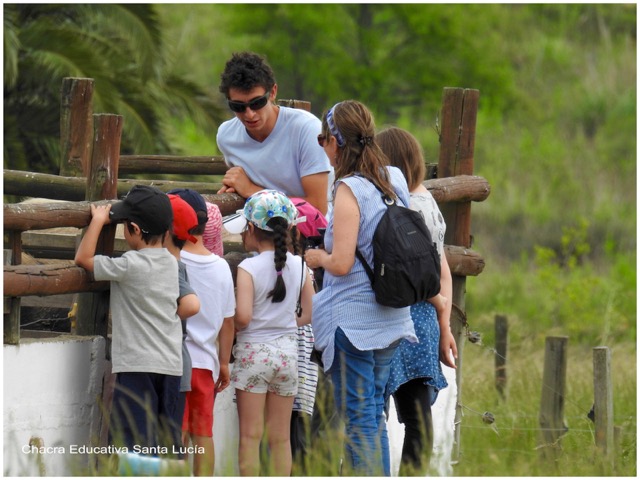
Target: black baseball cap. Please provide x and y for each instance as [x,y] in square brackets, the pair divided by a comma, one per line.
[196,201]
[148,207]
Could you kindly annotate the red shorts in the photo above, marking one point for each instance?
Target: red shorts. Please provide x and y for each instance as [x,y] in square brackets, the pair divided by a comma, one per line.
[198,409]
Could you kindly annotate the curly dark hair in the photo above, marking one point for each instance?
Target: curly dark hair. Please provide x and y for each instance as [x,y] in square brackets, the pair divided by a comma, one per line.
[245,71]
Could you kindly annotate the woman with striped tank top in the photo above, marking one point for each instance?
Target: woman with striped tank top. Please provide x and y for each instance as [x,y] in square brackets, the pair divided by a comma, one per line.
[356,335]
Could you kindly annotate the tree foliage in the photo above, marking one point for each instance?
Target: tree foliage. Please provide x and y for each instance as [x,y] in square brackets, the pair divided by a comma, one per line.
[557,115]
[390,56]
[121,48]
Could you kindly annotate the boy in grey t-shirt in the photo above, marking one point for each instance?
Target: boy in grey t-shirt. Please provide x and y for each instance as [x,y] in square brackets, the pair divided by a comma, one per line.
[146,333]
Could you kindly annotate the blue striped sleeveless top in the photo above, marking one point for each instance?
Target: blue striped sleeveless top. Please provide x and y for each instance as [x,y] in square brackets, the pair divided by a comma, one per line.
[348,301]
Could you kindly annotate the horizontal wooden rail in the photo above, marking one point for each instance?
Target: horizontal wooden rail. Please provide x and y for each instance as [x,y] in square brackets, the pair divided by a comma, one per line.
[130,164]
[56,187]
[451,189]
[39,216]
[56,279]
[463,261]
[461,188]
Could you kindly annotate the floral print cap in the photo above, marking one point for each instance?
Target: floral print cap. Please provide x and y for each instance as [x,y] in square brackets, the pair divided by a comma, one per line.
[266,204]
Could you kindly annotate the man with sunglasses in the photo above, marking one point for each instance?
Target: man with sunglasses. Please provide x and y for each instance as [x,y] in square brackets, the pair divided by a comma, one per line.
[265,145]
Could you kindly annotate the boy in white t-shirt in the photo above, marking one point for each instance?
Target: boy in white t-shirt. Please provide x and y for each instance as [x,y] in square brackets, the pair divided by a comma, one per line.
[209,336]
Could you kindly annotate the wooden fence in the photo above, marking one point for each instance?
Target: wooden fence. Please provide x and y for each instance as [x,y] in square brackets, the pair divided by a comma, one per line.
[89,172]
[551,417]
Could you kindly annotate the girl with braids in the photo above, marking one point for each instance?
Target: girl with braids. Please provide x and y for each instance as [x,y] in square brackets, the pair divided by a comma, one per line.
[265,371]
[357,336]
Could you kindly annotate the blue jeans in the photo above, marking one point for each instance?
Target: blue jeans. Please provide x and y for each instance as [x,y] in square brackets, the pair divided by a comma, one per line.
[359,379]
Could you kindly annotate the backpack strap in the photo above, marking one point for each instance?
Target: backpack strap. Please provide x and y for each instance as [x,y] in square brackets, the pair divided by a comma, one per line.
[365,265]
[387,201]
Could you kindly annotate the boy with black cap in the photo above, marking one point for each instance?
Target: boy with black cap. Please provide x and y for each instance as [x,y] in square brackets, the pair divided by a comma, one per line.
[210,335]
[146,334]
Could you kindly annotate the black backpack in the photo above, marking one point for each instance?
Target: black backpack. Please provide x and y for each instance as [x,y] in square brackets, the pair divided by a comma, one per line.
[406,264]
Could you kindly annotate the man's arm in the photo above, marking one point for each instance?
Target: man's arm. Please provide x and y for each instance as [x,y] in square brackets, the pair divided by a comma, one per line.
[315,189]
[315,186]
[87,248]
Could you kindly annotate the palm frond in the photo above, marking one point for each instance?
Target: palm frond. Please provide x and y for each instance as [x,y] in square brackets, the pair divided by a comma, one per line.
[183,98]
[135,29]
[11,48]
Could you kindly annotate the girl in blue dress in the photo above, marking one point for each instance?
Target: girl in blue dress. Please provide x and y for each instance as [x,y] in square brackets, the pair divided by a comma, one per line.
[416,375]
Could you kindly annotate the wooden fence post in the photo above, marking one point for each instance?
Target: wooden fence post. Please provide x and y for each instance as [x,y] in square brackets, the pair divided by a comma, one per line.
[76,126]
[603,403]
[457,141]
[301,104]
[11,314]
[502,345]
[93,308]
[551,415]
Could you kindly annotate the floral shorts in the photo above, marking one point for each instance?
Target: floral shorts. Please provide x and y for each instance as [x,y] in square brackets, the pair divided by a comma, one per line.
[267,367]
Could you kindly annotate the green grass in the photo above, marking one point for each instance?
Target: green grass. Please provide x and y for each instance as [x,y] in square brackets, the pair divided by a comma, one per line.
[511,449]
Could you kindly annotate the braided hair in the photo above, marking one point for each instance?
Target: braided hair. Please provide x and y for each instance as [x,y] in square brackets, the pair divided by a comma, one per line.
[280,236]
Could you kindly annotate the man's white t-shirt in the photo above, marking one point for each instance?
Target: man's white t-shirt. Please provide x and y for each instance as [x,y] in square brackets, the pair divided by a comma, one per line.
[210,277]
[290,152]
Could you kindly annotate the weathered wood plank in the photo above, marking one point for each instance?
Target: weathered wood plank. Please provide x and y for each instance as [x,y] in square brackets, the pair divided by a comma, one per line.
[76,126]
[463,261]
[20,216]
[552,400]
[22,280]
[603,405]
[172,164]
[11,317]
[102,181]
[56,187]
[462,188]
[54,279]
[457,139]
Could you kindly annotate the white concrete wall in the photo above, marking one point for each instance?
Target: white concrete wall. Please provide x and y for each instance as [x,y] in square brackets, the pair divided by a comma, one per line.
[51,391]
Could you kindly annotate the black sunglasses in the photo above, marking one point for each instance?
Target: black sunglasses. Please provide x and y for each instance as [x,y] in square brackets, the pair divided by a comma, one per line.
[321,139]
[255,104]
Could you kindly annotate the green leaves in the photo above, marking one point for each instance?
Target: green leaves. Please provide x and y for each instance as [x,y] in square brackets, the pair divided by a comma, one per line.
[121,48]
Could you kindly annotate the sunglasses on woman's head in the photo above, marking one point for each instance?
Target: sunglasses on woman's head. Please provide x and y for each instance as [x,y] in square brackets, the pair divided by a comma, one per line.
[255,104]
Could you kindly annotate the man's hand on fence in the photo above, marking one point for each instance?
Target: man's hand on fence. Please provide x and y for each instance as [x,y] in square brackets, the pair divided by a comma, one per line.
[235,180]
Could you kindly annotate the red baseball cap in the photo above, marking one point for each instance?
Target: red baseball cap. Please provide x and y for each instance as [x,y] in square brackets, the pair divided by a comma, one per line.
[184,218]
